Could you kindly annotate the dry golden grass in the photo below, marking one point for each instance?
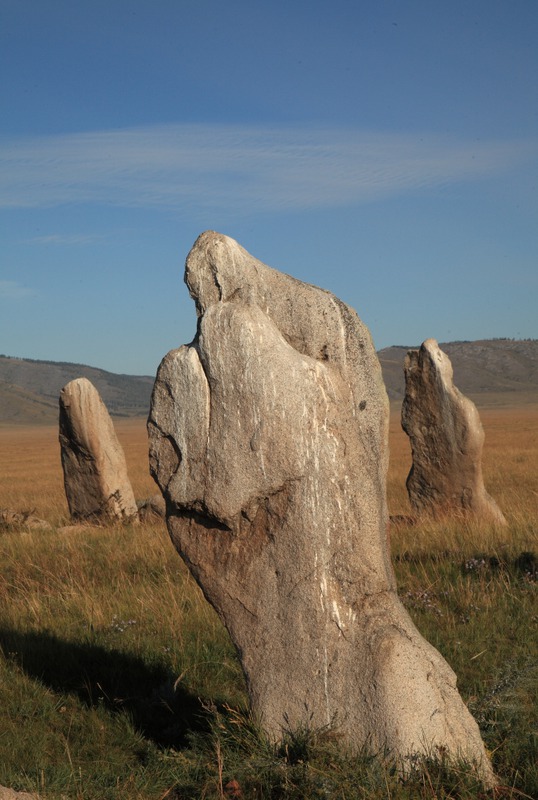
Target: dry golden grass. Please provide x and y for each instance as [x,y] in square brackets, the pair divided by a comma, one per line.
[31,473]
[106,643]
[510,468]
[510,460]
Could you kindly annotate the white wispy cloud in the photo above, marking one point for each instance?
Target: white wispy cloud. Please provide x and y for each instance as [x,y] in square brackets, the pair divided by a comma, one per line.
[67,239]
[11,290]
[239,168]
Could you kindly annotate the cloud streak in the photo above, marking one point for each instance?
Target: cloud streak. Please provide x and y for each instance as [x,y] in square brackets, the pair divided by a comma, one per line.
[242,169]
[66,239]
[11,290]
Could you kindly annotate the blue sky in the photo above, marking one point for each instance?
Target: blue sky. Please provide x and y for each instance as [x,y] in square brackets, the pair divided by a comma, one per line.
[385,150]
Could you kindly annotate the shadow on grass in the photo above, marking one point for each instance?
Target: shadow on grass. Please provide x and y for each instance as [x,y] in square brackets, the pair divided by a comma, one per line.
[120,682]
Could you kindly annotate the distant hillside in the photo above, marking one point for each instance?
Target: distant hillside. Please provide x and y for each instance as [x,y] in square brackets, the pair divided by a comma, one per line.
[488,371]
[29,390]
[493,371]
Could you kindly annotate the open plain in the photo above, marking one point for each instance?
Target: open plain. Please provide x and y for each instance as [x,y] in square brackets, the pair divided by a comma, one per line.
[117,680]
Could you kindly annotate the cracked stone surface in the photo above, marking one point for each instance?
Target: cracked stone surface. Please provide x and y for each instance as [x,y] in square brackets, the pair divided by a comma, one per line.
[268,439]
[96,482]
[447,439]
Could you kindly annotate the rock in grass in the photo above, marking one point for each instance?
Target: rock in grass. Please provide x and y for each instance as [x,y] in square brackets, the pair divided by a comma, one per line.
[11,794]
[21,520]
[96,482]
[152,508]
[446,438]
[268,439]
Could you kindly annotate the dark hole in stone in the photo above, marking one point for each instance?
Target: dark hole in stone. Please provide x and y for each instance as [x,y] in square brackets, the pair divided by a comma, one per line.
[207,520]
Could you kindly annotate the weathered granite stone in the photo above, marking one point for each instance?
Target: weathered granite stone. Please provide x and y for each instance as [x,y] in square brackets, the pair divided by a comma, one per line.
[95,472]
[21,520]
[152,508]
[446,438]
[268,439]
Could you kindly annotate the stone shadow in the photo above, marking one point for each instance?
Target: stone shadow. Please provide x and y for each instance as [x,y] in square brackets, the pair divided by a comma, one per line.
[120,682]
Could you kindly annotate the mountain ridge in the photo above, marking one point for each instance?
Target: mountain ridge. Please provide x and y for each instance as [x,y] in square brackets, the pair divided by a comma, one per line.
[490,371]
[484,369]
[30,388]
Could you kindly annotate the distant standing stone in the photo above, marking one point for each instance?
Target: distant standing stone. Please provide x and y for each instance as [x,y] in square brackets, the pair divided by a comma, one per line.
[446,438]
[95,472]
[268,439]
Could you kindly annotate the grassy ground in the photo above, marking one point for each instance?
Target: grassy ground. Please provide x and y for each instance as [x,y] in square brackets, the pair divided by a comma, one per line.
[118,681]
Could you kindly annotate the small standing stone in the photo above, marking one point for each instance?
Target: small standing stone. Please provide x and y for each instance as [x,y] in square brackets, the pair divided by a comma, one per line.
[446,438]
[93,461]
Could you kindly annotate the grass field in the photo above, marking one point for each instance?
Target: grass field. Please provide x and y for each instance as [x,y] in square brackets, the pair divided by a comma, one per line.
[118,681]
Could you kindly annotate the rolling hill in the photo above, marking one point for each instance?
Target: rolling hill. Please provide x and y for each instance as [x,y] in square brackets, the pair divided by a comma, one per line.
[491,372]
[29,390]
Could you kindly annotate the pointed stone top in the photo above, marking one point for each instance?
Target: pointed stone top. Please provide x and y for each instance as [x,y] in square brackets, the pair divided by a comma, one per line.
[312,320]
[440,363]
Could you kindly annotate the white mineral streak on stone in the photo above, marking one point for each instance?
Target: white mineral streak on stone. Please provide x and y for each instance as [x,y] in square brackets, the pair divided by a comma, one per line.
[446,438]
[95,473]
[268,438]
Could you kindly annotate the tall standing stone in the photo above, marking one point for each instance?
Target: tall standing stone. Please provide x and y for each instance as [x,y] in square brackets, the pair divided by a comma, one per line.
[268,439]
[446,438]
[95,473]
